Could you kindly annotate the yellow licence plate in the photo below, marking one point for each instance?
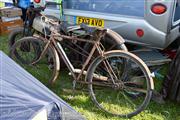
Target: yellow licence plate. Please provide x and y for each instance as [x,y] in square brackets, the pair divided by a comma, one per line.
[90,21]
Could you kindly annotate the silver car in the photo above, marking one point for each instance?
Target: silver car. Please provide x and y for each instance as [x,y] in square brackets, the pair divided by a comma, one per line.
[153,23]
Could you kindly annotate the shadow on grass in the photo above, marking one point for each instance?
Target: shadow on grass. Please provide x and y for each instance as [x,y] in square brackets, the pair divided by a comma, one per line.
[4,44]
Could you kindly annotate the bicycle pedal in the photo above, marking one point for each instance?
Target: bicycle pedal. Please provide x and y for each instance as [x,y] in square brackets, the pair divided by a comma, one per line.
[70,97]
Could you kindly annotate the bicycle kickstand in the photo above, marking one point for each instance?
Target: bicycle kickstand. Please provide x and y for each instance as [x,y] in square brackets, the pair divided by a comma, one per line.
[73,92]
[74,86]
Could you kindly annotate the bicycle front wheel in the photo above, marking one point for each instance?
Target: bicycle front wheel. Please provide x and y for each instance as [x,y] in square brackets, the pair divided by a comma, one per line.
[118,89]
[28,50]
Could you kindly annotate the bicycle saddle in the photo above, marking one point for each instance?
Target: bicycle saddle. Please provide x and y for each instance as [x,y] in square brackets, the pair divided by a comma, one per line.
[65,27]
[89,30]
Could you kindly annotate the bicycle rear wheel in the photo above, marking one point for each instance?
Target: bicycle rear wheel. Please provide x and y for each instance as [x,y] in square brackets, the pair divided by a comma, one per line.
[117,89]
[28,50]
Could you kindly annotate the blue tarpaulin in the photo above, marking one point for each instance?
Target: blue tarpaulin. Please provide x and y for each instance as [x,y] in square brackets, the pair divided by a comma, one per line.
[23,97]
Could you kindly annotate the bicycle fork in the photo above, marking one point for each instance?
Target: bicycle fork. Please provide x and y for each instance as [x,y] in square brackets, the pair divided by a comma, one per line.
[42,53]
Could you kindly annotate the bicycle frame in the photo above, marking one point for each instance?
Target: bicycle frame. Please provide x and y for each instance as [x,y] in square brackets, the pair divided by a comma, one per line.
[57,45]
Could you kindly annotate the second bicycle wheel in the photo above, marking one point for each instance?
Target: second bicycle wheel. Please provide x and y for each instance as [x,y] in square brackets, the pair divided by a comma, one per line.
[117,89]
[28,50]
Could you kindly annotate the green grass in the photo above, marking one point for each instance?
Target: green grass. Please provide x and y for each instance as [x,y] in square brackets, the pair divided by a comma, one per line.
[4,44]
[81,101]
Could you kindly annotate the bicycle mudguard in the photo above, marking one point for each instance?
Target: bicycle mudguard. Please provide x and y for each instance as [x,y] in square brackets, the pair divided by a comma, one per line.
[118,38]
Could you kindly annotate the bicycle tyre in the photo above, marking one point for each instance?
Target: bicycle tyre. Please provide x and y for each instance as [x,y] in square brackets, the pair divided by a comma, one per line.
[49,63]
[135,96]
[13,36]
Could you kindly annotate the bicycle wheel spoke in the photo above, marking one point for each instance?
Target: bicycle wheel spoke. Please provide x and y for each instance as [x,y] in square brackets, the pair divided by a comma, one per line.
[128,100]
[136,89]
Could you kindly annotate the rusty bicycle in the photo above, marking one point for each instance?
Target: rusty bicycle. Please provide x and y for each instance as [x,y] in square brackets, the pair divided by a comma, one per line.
[118,81]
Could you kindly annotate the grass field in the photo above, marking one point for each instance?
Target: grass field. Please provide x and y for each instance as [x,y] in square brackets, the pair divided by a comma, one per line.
[83,104]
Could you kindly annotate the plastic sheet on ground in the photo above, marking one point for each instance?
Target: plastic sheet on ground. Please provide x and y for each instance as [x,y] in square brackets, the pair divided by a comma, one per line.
[23,97]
